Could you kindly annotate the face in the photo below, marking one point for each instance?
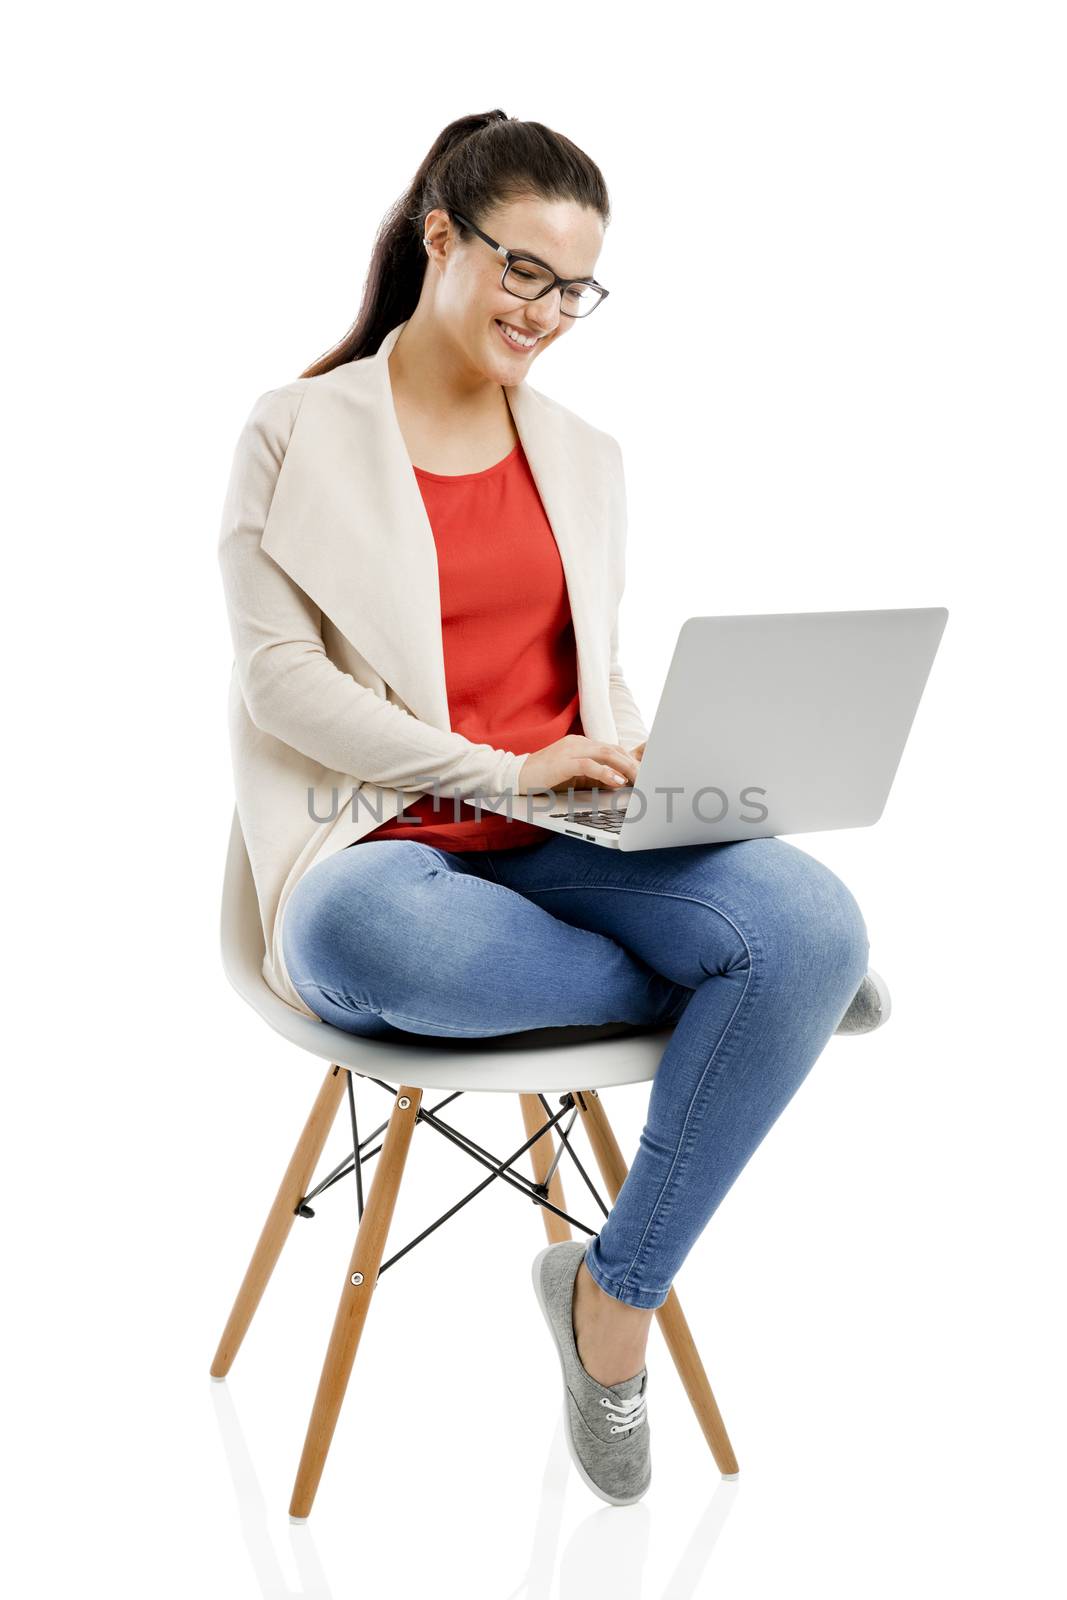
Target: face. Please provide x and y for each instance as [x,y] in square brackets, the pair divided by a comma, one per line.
[468,295]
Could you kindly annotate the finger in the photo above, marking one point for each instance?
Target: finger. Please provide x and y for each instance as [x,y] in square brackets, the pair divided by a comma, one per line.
[624,762]
[629,762]
[601,773]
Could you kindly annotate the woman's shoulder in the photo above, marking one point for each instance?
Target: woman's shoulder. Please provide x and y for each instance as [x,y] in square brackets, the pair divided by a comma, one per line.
[275,410]
[283,400]
[273,413]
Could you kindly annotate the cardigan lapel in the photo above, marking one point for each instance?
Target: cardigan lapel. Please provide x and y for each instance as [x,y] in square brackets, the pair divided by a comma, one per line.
[348,524]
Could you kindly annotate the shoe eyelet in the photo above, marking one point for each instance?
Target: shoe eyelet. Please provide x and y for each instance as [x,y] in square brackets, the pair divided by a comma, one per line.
[614,1430]
[604,1401]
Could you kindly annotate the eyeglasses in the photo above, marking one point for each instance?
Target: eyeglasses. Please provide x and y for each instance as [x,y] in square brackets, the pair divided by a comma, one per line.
[530,279]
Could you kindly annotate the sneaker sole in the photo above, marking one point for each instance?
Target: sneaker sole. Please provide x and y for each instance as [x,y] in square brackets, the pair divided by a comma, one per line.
[882,990]
[612,1500]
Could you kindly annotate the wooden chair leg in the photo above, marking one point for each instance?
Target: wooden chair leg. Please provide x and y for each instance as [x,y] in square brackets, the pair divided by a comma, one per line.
[672,1323]
[541,1156]
[280,1218]
[355,1299]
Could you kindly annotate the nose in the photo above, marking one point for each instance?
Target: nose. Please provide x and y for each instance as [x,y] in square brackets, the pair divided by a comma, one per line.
[544,314]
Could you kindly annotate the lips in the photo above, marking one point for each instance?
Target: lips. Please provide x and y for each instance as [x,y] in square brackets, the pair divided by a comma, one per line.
[511,343]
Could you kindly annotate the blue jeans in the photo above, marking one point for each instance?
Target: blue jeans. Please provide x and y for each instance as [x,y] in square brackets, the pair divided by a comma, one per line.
[754,949]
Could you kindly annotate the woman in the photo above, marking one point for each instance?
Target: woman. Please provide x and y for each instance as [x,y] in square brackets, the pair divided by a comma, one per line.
[447,919]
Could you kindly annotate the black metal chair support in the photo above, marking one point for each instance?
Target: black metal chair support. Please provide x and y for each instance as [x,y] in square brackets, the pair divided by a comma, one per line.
[498,1168]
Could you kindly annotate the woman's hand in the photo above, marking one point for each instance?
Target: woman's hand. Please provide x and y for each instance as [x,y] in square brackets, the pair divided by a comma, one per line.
[638,750]
[577,762]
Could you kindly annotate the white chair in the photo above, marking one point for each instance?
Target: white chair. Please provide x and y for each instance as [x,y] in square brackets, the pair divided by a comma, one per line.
[532,1065]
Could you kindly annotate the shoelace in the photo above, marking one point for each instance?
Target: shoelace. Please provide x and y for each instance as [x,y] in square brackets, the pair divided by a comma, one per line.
[633,1412]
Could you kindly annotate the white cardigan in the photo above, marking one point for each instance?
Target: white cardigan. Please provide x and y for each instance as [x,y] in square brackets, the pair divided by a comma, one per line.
[330,573]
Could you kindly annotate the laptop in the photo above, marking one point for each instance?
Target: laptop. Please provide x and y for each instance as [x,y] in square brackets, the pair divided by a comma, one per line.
[793,722]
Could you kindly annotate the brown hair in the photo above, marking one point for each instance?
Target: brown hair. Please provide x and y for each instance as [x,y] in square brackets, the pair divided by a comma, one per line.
[474,164]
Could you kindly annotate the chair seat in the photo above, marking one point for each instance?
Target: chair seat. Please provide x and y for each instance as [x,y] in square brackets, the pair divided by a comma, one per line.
[538,1060]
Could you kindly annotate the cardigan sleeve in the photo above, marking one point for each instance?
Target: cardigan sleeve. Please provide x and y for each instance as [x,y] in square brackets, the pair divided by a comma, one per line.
[628,719]
[291,688]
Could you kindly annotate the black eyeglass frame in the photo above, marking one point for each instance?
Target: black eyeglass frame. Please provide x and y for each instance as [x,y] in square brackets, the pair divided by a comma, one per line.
[511,256]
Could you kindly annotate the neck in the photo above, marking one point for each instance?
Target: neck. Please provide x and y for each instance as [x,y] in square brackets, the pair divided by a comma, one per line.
[433,373]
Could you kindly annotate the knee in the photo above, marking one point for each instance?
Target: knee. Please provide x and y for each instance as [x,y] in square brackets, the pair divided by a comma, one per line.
[358,904]
[811,924]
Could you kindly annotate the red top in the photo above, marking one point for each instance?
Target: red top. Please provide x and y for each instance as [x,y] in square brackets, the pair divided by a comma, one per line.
[510,662]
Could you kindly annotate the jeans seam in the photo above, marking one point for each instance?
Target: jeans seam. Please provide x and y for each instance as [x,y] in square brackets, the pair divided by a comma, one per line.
[492,868]
[617,1289]
[662,894]
[345,1002]
[466,877]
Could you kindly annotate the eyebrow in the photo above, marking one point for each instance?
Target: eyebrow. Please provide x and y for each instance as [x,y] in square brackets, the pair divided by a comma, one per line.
[516,250]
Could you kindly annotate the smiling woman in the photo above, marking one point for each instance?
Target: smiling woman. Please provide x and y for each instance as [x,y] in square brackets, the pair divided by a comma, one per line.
[488,259]
[424,562]
[474,169]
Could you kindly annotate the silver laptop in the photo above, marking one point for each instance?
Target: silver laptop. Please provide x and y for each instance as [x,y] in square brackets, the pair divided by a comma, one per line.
[787,723]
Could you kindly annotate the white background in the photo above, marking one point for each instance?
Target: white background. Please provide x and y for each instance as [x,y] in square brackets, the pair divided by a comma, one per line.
[834,356]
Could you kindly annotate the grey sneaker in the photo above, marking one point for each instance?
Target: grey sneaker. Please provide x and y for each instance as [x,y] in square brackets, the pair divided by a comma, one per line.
[607,1429]
[869,1007]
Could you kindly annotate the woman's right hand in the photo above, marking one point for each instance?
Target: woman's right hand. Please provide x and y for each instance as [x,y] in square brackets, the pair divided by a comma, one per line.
[577,762]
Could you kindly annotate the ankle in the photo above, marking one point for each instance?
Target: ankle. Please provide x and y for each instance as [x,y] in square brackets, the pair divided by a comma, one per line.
[609,1335]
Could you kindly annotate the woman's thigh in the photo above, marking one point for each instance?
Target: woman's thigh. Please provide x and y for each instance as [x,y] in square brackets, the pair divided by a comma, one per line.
[696,910]
[396,934]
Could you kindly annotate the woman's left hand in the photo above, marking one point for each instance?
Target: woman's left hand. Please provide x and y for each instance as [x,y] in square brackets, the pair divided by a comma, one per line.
[638,750]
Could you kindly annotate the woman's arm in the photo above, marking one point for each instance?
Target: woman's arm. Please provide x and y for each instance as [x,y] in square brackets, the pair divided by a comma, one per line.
[291,688]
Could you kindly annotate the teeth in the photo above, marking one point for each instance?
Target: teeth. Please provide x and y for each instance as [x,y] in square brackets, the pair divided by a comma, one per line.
[517,338]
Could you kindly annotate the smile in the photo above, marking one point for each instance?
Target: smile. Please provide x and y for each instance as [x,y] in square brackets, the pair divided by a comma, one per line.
[514,338]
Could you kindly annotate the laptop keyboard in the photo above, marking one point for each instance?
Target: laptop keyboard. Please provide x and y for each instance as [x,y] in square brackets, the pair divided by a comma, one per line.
[610,820]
